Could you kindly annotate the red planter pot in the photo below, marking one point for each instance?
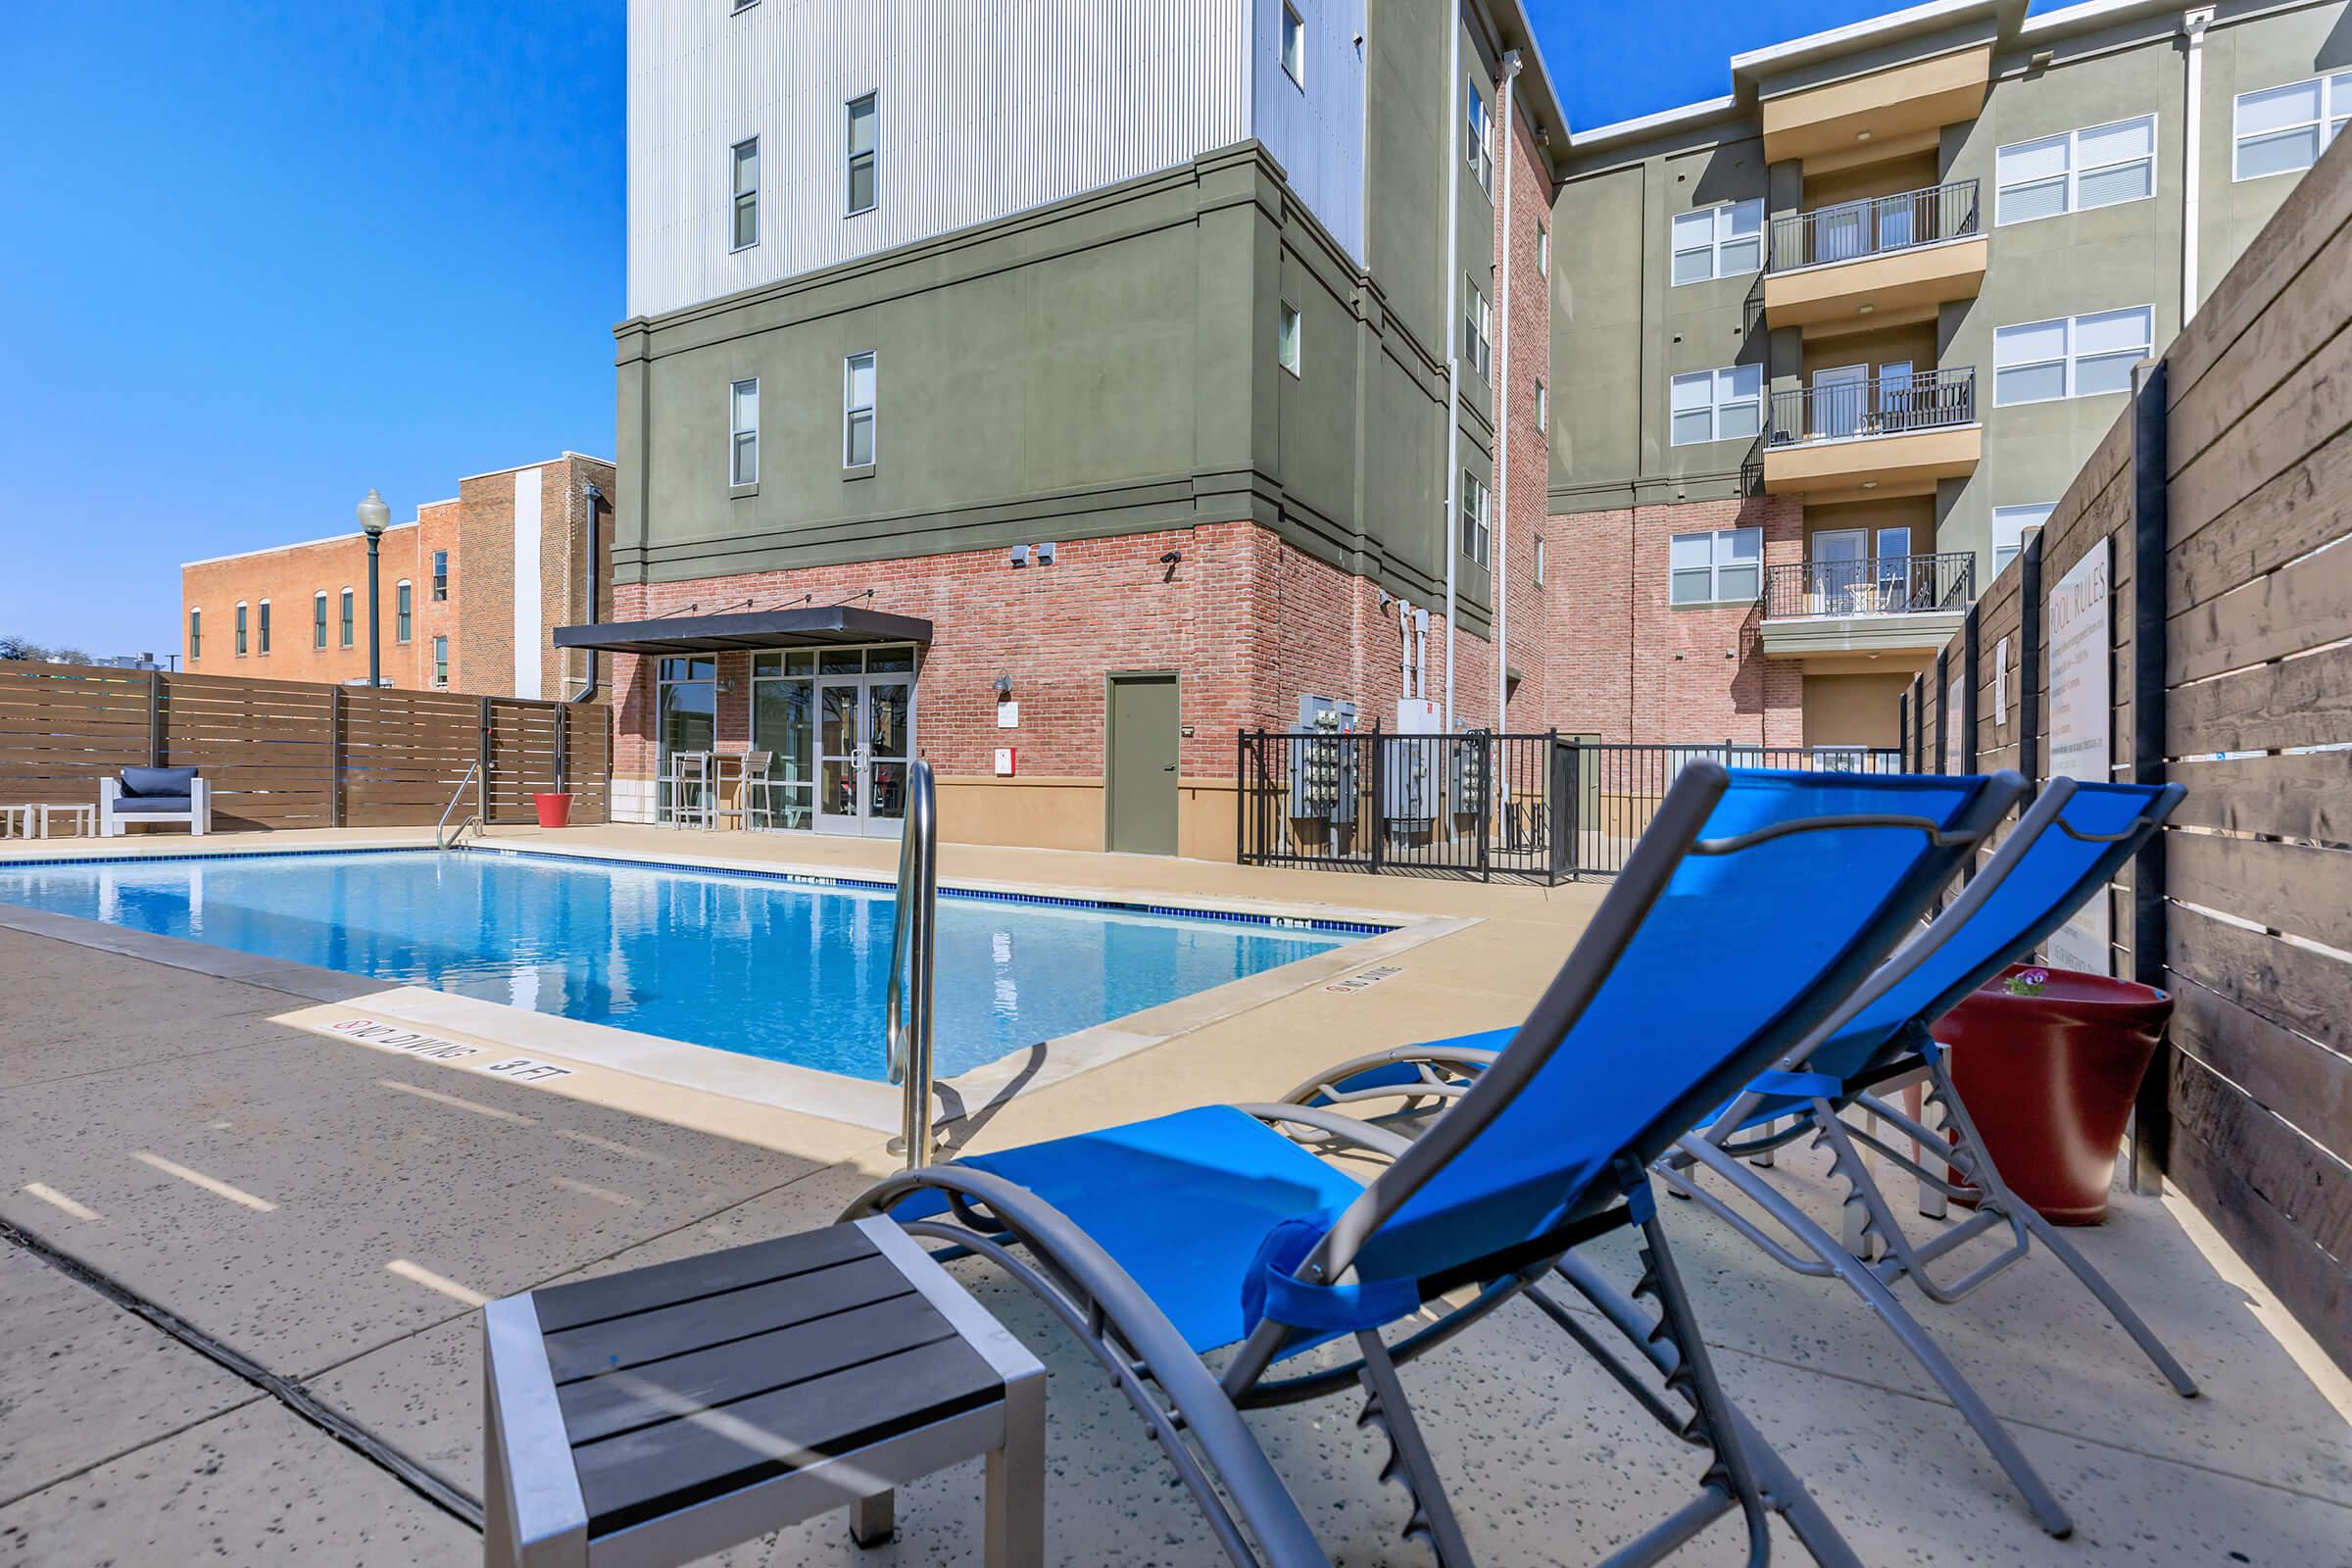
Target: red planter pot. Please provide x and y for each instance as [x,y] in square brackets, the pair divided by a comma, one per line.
[554,810]
[2049,1081]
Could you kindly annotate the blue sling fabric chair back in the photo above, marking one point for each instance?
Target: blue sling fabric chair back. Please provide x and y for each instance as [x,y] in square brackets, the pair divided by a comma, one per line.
[2099,827]
[1755,937]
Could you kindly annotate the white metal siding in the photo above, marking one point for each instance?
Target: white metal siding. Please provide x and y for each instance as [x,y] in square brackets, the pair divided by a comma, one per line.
[987,107]
[1316,132]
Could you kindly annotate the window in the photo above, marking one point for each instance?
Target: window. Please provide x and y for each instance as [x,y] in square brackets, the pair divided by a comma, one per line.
[403,605]
[1478,328]
[2073,356]
[1286,339]
[863,130]
[195,635]
[346,621]
[1724,566]
[440,661]
[1719,242]
[746,159]
[857,410]
[2281,129]
[1481,151]
[1539,560]
[440,575]
[1294,44]
[743,432]
[1543,251]
[1476,521]
[2075,170]
[2010,527]
[240,628]
[1726,404]
[264,628]
[1543,405]
[318,619]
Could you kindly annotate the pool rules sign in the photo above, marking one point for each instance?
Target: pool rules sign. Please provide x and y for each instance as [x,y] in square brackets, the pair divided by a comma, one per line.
[2080,615]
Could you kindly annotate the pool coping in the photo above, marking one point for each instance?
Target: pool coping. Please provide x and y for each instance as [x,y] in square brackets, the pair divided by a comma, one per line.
[1381,938]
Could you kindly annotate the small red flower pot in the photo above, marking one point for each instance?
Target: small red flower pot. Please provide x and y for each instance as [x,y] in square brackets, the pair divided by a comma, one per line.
[2049,1081]
[554,810]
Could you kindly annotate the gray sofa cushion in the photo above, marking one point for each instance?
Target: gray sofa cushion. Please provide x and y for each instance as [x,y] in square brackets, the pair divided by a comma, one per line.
[168,781]
[134,804]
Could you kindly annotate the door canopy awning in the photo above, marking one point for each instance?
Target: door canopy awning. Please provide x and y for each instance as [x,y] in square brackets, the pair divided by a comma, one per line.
[827,626]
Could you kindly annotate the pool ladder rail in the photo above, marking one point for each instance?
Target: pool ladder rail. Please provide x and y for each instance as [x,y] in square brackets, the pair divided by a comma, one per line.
[907,1002]
[449,841]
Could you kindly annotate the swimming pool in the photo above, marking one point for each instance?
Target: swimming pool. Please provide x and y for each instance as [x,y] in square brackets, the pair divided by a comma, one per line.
[789,969]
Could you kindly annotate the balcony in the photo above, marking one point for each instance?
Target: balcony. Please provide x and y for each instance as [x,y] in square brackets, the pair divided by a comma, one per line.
[1876,262]
[1866,605]
[1873,437]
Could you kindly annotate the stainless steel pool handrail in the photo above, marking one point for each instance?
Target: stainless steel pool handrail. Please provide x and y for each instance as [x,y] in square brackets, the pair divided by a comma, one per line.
[907,1001]
[472,768]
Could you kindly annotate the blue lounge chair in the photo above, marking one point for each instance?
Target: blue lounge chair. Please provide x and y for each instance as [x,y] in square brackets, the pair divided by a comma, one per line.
[1162,1241]
[2065,848]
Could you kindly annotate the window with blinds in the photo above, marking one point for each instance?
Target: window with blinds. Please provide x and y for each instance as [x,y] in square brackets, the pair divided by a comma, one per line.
[2075,172]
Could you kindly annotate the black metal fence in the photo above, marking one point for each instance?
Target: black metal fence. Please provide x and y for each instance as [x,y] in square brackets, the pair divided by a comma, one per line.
[1871,585]
[1530,807]
[1477,805]
[1874,225]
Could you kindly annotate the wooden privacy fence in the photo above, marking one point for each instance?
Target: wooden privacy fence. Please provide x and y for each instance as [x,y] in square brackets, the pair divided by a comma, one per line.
[295,753]
[2221,500]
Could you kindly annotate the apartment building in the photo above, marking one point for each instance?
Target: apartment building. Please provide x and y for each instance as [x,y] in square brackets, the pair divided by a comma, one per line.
[1833,343]
[469,592]
[1053,392]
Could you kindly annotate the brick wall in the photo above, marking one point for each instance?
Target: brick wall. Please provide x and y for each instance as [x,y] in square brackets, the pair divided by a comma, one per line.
[477,530]
[1524,489]
[1627,665]
[1248,624]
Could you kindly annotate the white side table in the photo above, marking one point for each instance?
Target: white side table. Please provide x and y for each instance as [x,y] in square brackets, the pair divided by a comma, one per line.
[79,821]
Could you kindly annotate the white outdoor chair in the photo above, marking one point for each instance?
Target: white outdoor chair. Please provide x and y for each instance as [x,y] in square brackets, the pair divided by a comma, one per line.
[154,795]
[693,801]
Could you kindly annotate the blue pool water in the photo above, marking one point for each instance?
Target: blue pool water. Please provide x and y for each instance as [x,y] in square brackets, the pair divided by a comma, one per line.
[789,971]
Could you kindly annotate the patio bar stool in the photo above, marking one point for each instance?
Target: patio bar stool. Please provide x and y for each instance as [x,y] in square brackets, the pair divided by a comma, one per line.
[752,808]
[654,1417]
[692,790]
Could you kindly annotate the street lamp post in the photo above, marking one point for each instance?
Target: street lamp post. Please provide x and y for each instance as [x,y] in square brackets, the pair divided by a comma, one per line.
[373,515]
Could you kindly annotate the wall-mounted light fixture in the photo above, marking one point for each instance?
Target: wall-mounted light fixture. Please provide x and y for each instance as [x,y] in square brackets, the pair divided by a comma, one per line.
[1044,554]
[1004,687]
[1170,560]
[1020,555]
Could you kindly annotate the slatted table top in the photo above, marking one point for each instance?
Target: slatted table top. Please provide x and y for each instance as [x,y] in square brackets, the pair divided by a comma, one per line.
[685,1381]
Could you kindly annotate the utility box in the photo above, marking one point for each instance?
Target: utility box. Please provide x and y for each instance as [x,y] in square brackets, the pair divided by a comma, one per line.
[1411,776]
[1323,761]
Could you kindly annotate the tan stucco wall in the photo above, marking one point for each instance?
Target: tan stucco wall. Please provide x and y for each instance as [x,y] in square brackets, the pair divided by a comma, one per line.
[1853,709]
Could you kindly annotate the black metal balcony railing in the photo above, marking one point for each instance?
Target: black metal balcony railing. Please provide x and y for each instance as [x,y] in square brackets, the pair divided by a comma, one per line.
[1873,227]
[1875,585]
[1882,405]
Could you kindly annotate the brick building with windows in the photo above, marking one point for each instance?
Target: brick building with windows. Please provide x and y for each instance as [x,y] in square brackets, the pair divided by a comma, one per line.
[450,619]
[1830,345]
[1058,472]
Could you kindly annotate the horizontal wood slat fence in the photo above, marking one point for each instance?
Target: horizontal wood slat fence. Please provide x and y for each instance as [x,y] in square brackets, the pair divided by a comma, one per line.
[294,754]
[2226,491]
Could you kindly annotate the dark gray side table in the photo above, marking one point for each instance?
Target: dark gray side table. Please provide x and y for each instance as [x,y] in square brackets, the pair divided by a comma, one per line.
[654,1417]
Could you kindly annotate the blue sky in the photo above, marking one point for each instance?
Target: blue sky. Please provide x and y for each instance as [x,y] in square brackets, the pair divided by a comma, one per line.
[261,255]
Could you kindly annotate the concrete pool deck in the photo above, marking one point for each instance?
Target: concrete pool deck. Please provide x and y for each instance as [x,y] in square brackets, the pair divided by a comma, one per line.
[330,1211]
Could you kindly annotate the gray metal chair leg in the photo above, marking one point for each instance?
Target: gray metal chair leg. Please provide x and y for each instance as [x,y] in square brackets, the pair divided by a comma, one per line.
[2110,1298]
[1409,1460]
[1875,1294]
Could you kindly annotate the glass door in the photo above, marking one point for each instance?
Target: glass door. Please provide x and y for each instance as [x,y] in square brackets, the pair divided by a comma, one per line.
[1897,589]
[841,755]
[1841,574]
[1837,396]
[888,730]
